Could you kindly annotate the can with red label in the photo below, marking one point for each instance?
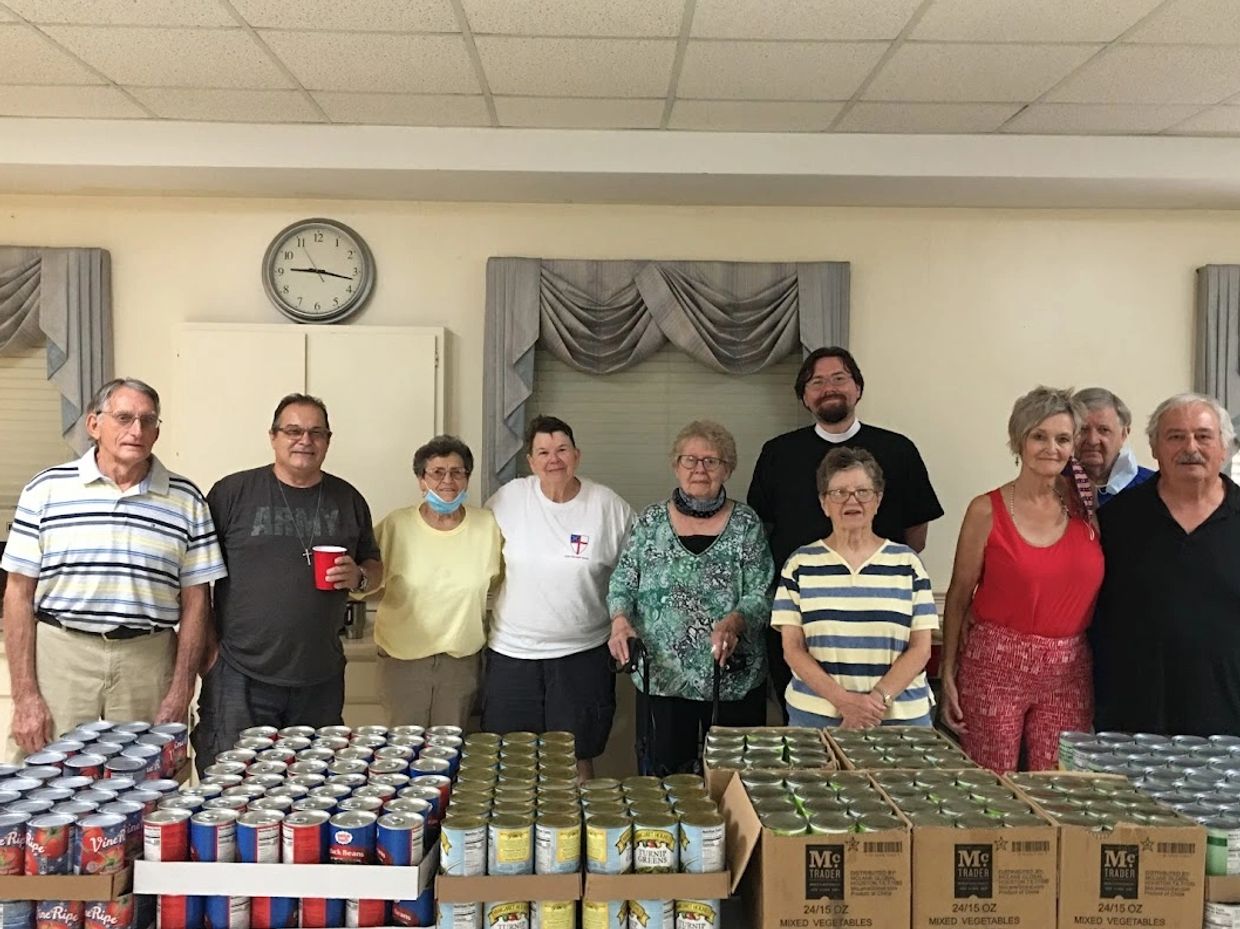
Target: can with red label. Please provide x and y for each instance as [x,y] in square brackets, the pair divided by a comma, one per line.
[243,756]
[352,780]
[254,743]
[13,843]
[96,796]
[327,804]
[65,745]
[280,752]
[249,791]
[363,913]
[366,804]
[398,839]
[429,794]
[347,766]
[445,753]
[148,798]
[110,914]
[204,790]
[439,781]
[273,912]
[226,912]
[296,791]
[267,732]
[304,837]
[308,766]
[163,785]
[397,779]
[213,836]
[320,913]
[389,766]
[55,794]
[178,912]
[167,751]
[370,731]
[136,726]
[74,782]
[334,732]
[258,836]
[49,844]
[59,914]
[266,781]
[234,803]
[382,791]
[101,844]
[31,807]
[417,912]
[128,766]
[225,767]
[180,742]
[165,835]
[182,802]
[105,750]
[45,757]
[356,752]
[307,781]
[268,767]
[133,823]
[75,808]
[281,804]
[87,765]
[224,780]
[352,838]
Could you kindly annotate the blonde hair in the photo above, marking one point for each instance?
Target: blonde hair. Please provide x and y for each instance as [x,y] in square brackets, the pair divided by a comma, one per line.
[713,434]
[1040,404]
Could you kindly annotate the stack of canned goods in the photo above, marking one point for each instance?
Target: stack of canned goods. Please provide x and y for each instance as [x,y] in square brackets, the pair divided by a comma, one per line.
[1097,803]
[76,808]
[304,796]
[737,748]
[899,747]
[971,799]
[1222,915]
[818,802]
[518,809]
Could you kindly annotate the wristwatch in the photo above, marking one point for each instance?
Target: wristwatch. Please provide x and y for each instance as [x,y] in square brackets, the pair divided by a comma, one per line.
[363,584]
[887,698]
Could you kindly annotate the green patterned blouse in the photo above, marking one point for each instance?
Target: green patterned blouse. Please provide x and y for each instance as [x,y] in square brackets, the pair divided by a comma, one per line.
[674,598]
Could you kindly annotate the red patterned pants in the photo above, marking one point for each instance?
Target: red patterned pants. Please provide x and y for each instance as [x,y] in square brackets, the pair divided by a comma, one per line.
[1015,687]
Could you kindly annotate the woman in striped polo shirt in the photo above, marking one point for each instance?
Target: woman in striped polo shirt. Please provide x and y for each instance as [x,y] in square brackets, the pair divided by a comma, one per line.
[855,611]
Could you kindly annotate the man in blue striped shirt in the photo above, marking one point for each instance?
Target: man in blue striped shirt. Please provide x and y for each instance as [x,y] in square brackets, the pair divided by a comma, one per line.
[107,557]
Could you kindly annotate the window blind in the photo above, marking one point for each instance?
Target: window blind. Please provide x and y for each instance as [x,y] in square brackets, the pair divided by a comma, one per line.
[30,438]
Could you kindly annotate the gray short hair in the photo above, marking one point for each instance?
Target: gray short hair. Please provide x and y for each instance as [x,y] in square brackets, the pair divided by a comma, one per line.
[440,447]
[1038,405]
[1099,398]
[104,393]
[713,434]
[845,458]
[1226,431]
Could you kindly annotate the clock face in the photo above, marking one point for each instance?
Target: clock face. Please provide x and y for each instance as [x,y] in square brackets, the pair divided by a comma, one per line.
[318,271]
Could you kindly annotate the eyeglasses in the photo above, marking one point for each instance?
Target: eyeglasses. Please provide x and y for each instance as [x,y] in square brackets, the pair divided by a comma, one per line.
[438,474]
[839,379]
[125,420]
[690,463]
[863,495]
[296,432]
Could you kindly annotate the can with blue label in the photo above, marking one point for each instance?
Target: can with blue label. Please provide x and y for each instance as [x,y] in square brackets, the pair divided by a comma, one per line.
[702,843]
[398,839]
[510,844]
[320,913]
[557,843]
[652,914]
[418,912]
[553,914]
[697,914]
[16,914]
[273,912]
[258,836]
[226,912]
[463,846]
[609,844]
[459,916]
[352,838]
[213,836]
[604,914]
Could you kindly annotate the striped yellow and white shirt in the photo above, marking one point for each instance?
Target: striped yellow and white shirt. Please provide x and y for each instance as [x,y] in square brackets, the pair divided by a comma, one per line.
[856,622]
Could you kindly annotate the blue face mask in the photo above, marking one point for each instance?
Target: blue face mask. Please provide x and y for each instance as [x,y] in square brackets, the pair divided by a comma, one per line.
[445,507]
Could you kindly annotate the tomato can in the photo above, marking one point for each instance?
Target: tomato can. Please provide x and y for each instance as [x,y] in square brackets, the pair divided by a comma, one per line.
[59,914]
[111,914]
[49,844]
[179,733]
[133,823]
[101,844]
[87,764]
[13,844]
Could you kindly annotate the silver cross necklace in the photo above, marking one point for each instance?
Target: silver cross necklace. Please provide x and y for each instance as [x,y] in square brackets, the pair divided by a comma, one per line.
[305,546]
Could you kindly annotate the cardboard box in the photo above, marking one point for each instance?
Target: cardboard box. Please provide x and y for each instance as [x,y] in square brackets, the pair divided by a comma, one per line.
[499,887]
[817,881]
[1223,888]
[336,881]
[67,886]
[1131,876]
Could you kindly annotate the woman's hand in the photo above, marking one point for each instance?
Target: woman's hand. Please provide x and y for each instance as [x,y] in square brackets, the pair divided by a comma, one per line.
[952,714]
[725,637]
[861,711]
[621,631]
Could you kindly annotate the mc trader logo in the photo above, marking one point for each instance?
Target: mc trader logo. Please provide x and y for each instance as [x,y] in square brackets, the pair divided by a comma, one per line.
[974,874]
[1120,865]
[824,872]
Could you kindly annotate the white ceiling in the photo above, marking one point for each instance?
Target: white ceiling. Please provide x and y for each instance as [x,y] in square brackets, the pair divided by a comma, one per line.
[1038,67]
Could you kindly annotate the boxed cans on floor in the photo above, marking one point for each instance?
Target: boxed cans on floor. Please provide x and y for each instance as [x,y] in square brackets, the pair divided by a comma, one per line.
[896,748]
[730,749]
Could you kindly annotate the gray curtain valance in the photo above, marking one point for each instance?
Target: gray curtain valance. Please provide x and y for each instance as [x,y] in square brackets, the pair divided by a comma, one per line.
[602,317]
[61,297]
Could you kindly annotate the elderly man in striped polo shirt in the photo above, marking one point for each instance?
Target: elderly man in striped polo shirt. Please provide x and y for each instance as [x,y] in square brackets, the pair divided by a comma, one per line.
[107,555]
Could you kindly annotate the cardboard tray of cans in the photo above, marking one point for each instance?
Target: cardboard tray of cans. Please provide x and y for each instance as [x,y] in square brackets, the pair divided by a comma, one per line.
[237,879]
[903,748]
[814,753]
[981,854]
[1124,858]
[67,886]
[841,879]
[508,887]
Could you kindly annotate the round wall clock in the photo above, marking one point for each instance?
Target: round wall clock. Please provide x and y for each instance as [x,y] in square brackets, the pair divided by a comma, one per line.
[318,271]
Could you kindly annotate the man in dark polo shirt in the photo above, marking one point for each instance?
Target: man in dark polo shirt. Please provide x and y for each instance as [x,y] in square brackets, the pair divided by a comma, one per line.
[784,489]
[1166,633]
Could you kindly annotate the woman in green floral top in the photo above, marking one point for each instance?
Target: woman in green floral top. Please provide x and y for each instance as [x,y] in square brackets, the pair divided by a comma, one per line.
[692,583]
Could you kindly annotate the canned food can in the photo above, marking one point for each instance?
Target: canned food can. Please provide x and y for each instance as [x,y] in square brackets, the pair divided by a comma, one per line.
[326,804]
[148,798]
[50,844]
[463,846]
[110,914]
[165,835]
[178,912]
[320,913]
[609,845]
[167,750]
[128,766]
[397,779]
[249,791]
[364,804]
[308,766]
[352,838]
[399,839]
[655,844]
[234,756]
[553,914]
[604,914]
[279,753]
[213,837]
[355,752]
[226,912]
[179,733]
[652,914]
[13,844]
[86,765]
[55,794]
[234,802]
[278,803]
[335,791]
[365,913]
[101,844]
[332,744]
[1222,845]
[288,732]
[417,912]
[459,916]
[507,914]
[697,914]
[438,781]
[258,836]
[334,732]
[510,845]
[702,849]
[557,844]
[225,767]
[305,837]
[288,789]
[273,912]
[59,914]
[182,802]
[352,780]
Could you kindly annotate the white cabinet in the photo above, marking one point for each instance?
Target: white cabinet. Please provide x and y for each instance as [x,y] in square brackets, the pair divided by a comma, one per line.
[383,386]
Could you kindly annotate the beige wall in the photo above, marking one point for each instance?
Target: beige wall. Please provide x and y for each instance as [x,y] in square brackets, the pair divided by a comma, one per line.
[955,312]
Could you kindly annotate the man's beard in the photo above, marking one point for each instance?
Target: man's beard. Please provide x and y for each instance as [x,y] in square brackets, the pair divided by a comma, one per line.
[833,411]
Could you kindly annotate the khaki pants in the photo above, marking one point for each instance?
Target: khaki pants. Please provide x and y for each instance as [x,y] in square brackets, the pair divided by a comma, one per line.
[85,677]
[434,691]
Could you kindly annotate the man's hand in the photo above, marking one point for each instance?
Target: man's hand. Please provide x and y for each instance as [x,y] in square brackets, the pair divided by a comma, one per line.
[32,722]
[860,711]
[618,643]
[345,574]
[175,706]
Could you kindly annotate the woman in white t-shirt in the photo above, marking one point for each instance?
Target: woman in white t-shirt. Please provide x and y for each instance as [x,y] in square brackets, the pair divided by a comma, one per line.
[547,660]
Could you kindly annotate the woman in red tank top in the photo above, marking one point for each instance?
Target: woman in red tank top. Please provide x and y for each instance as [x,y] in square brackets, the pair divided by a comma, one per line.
[1016,665]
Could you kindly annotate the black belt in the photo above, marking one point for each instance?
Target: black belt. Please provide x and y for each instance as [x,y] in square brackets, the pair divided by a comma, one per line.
[112,635]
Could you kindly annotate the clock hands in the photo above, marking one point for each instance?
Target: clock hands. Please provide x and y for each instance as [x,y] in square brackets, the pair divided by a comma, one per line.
[320,272]
[313,266]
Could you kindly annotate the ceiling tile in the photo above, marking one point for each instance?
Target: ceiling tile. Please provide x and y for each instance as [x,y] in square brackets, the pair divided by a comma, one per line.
[636,18]
[1154,74]
[926,117]
[1208,22]
[1217,120]
[361,15]
[1097,119]
[29,58]
[801,19]
[975,73]
[578,113]
[753,116]
[123,12]
[172,57]
[238,106]
[577,67]
[1026,21]
[62,101]
[421,64]
[405,109]
[776,70]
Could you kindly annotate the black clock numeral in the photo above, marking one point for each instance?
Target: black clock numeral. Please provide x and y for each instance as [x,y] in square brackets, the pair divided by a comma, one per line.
[335,301]
[349,289]
[317,307]
[288,256]
[337,241]
[301,241]
[299,299]
[284,289]
[350,254]
[355,270]
[318,237]
[280,270]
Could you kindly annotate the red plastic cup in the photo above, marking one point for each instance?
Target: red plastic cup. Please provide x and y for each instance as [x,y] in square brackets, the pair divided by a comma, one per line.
[325,557]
